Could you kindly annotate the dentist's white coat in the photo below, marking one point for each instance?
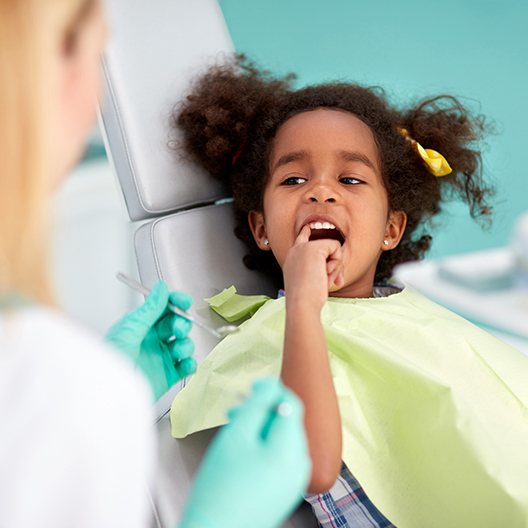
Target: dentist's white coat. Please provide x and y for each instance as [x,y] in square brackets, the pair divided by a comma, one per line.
[76,438]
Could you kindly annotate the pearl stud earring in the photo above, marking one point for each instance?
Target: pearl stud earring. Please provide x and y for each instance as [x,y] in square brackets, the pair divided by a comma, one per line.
[385,242]
[266,242]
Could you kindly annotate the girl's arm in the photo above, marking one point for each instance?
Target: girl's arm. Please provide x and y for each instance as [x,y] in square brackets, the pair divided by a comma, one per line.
[306,370]
[305,367]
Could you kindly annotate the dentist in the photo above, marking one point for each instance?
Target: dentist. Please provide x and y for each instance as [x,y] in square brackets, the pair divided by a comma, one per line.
[77,443]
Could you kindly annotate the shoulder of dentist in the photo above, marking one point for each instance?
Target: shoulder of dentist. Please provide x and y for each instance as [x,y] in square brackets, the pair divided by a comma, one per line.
[65,400]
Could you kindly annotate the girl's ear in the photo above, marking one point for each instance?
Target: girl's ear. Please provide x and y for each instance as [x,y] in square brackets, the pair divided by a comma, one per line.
[258,228]
[394,230]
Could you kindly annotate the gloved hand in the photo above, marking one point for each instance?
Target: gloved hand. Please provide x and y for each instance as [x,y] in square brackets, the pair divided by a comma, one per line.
[257,467]
[143,335]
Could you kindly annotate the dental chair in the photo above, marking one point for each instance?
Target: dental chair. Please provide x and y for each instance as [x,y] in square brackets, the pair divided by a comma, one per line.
[185,234]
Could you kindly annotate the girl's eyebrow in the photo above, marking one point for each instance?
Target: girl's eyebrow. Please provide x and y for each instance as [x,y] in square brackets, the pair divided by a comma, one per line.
[289,157]
[347,155]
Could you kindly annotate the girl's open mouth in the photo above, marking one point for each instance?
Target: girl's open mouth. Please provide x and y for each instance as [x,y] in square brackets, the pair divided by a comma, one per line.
[320,230]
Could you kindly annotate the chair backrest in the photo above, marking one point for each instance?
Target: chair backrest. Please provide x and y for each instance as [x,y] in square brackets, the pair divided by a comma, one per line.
[155,50]
[196,251]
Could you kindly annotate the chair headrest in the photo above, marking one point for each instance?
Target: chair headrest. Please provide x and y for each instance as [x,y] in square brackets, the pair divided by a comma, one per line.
[155,49]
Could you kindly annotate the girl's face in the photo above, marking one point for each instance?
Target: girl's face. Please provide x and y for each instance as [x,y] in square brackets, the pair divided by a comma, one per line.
[324,170]
[79,85]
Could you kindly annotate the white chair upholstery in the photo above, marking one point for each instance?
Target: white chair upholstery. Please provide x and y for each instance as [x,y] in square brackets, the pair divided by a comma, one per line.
[196,251]
[155,50]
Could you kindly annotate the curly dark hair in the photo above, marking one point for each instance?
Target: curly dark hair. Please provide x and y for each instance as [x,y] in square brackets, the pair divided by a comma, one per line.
[235,111]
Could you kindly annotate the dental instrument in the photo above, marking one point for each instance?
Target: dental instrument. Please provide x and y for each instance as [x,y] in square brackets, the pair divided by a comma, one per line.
[218,332]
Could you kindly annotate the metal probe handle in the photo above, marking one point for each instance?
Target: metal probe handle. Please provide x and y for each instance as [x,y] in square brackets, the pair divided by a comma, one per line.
[135,285]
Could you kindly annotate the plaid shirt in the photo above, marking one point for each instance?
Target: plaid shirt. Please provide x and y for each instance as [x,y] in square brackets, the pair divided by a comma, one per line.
[346,505]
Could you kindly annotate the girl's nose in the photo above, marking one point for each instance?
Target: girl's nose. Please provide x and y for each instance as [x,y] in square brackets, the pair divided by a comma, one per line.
[330,199]
[321,193]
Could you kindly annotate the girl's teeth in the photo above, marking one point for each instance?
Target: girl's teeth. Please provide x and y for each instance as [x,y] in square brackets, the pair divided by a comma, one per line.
[322,225]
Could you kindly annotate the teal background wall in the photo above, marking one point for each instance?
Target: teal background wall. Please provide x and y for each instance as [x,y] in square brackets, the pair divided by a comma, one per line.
[476,50]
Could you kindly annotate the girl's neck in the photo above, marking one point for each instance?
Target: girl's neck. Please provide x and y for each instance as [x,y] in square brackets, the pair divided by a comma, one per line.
[356,290]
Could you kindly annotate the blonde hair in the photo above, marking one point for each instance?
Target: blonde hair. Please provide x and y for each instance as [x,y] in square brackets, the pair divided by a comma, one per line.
[31,33]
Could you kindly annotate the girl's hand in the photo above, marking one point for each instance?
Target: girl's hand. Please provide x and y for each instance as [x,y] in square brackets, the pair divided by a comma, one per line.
[311,269]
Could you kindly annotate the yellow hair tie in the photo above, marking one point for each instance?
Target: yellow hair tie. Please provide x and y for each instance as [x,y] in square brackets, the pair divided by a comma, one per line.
[436,163]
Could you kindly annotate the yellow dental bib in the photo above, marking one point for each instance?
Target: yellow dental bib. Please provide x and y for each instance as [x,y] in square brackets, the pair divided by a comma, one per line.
[434,410]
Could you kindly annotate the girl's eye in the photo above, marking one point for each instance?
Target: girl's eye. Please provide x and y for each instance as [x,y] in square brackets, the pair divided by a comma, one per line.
[350,180]
[293,180]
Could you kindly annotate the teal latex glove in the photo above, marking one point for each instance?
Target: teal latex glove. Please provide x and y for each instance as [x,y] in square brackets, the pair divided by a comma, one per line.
[257,467]
[145,336]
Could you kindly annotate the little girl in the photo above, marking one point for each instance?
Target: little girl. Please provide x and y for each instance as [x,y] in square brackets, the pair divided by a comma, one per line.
[332,188]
